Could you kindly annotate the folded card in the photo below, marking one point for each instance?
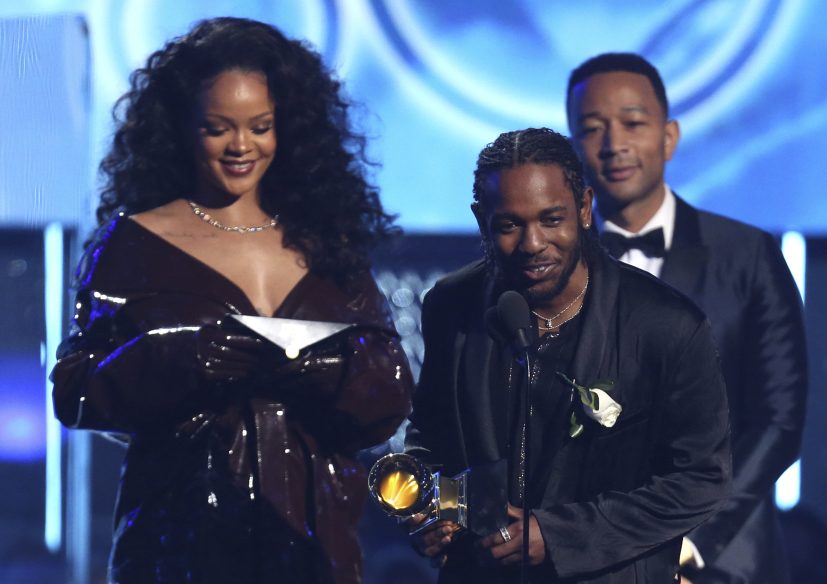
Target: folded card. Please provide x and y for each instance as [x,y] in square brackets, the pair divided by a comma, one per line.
[290,334]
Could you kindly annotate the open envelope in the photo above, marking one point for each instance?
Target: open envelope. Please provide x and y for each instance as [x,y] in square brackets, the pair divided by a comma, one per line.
[290,334]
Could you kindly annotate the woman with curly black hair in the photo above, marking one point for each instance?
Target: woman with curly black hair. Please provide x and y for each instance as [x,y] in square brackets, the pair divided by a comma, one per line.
[235,188]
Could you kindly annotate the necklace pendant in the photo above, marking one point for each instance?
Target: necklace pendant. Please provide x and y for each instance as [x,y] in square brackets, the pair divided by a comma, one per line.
[548,324]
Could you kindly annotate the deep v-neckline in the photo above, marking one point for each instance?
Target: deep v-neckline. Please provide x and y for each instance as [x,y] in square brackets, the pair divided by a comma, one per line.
[249,307]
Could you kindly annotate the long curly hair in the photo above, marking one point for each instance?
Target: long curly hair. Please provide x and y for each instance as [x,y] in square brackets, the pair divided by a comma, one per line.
[317,183]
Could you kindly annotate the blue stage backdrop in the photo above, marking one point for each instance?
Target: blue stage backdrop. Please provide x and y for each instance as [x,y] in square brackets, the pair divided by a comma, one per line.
[440,79]
[434,81]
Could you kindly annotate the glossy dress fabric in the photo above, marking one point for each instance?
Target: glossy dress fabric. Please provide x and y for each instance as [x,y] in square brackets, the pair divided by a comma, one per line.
[245,482]
[613,503]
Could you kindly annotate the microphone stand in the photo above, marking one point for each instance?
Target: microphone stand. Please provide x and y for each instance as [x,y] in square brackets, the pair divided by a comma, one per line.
[524,462]
[515,316]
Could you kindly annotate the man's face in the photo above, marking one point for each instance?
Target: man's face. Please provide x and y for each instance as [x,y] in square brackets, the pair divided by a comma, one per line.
[533,227]
[622,136]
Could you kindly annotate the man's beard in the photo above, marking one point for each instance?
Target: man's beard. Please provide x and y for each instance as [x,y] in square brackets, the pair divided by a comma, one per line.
[533,296]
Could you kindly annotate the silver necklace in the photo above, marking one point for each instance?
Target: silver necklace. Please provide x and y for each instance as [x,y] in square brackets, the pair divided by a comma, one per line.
[554,335]
[207,218]
[549,320]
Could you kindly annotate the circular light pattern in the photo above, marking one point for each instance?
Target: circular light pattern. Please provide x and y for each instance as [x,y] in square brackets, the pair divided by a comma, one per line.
[140,27]
[508,62]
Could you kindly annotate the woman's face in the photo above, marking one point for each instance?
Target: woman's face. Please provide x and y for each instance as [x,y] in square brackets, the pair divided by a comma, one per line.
[236,133]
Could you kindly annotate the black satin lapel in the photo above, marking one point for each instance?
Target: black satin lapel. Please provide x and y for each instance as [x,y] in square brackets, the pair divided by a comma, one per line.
[683,269]
[590,357]
[592,360]
[481,403]
[481,406]
[557,428]
[685,262]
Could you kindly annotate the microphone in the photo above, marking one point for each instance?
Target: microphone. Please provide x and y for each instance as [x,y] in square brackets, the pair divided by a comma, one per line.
[515,319]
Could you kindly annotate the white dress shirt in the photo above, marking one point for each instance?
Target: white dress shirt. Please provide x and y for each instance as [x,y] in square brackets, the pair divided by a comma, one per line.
[664,218]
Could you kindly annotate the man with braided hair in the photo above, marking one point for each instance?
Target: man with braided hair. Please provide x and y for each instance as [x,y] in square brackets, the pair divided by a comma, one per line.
[612,482]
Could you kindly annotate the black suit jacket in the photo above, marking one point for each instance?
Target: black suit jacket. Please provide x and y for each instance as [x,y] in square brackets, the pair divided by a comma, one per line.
[737,275]
[614,502]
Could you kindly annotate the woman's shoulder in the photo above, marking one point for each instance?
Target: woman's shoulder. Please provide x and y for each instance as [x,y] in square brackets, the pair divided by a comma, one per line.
[162,218]
[118,243]
[98,249]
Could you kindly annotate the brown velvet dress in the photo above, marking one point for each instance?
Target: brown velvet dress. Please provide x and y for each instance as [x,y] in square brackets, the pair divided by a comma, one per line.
[253,481]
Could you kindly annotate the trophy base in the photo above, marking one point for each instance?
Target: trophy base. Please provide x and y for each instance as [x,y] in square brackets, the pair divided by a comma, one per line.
[449,503]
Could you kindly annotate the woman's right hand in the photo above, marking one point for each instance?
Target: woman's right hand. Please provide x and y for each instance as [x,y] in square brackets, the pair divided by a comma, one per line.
[227,356]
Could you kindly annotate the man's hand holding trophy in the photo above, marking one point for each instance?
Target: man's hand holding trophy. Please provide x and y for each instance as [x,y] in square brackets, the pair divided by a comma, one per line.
[435,507]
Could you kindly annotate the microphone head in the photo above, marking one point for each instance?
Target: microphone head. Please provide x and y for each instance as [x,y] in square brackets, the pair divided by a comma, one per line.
[515,318]
[513,311]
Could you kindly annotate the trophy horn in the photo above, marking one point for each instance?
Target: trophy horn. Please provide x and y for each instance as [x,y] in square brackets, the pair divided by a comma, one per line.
[403,486]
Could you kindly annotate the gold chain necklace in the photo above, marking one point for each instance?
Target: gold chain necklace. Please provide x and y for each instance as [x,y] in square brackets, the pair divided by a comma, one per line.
[548,320]
[207,218]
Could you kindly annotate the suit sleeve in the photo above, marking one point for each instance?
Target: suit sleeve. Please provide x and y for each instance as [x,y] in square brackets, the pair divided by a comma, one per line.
[688,476]
[774,363]
[423,420]
[434,434]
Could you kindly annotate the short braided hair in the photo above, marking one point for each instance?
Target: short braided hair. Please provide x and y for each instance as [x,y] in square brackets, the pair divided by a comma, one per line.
[529,146]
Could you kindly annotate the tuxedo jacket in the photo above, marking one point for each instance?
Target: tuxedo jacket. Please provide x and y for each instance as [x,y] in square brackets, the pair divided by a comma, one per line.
[737,275]
[612,503]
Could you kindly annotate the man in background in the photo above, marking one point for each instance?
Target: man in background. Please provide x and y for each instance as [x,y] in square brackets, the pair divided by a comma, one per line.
[618,116]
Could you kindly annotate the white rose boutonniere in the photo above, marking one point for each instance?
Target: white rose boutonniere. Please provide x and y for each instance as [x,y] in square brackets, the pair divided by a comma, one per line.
[597,404]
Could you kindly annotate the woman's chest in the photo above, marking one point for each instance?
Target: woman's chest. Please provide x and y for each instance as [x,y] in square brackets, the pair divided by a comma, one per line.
[261,269]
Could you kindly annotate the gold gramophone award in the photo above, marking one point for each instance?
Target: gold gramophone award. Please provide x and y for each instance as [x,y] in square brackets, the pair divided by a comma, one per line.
[403,487]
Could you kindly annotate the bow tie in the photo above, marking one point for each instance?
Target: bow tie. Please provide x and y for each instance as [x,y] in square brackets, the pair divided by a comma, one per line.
[650,243]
